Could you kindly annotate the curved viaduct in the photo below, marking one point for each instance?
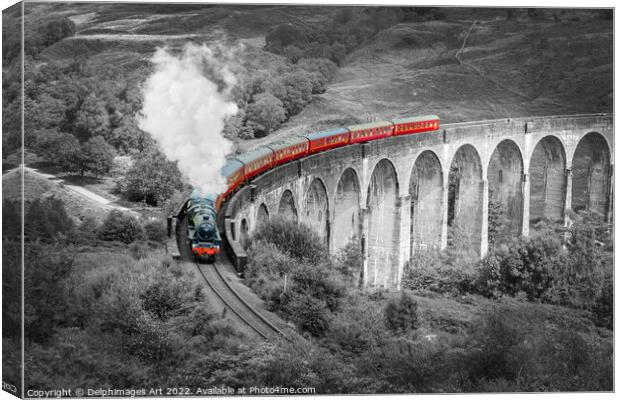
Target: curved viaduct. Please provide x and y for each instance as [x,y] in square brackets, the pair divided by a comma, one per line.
[404,194]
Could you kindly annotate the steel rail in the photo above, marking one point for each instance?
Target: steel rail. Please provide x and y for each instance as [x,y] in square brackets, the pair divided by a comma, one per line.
[227,304]
[248,305]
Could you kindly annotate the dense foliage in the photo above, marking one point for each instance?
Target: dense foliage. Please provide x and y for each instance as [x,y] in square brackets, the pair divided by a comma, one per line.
[152,179]
[120,227]
[95,315]
[569,267]
[399,343]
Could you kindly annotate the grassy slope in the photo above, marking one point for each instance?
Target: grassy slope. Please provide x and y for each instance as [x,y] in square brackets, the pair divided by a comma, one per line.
[509,69]
[553,65]
[36,187]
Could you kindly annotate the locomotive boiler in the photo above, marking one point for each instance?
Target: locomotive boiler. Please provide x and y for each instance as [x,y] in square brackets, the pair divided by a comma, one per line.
[204,238]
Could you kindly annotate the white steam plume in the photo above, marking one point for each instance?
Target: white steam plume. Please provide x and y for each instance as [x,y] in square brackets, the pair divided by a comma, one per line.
[184,110]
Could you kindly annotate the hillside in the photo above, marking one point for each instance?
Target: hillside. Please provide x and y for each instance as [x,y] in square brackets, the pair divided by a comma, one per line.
[468,64]
[502,69]
[39,187]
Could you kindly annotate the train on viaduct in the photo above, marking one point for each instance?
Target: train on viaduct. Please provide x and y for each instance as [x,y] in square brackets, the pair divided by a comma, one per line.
[393,193]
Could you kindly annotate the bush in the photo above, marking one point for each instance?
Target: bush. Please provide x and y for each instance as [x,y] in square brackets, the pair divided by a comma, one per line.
[320,282]
[11,219]
[86,232]
[308,313]
[156,231]
[46,220]
[521,349]
[603,308]
[349,262]
[120,227]
[297,240]
[44,294]
[543,270]
[401,315]
[527,265]
[440,273]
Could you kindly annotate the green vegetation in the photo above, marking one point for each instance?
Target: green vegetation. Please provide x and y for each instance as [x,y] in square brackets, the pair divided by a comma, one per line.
[440,334]
[152,179]
[110,312]
[120,227]
[78,117]
[569,267]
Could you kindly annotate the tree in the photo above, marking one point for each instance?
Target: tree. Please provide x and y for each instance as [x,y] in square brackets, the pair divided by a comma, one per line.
[284,35]
[56,30]
[127,138]
[293,89]
[152,179]
[97,156]
[66,152]
[92,118]
[265,113]
[323,67]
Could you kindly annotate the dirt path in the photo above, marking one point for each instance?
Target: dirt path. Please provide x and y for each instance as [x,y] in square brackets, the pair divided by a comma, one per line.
[81,191]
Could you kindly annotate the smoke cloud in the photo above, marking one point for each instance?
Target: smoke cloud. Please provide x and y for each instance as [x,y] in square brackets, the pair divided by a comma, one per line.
[184,110]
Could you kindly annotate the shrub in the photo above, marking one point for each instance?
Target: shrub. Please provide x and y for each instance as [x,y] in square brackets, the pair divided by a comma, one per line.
[543,270]
[349,262]
[401,315]
[44,295]
[156,231]
[297,240]
[308,313]
[440,273]
[11,219]
[527,265]
[139,250]
[120,227]
[47,219]
[319,282]
[87,230]
[603,308]
[520,348]
[265,272]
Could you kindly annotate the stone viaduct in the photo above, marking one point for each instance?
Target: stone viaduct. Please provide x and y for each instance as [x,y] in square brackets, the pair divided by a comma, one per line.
[404,194]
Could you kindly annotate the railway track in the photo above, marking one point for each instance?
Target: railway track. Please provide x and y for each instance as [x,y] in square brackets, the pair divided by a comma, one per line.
[236,304]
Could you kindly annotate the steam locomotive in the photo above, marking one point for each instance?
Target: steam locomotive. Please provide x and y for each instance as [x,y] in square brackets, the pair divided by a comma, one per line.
[201,211]
[202,230]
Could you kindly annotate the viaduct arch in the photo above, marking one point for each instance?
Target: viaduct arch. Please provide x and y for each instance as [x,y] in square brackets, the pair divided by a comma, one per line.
[405,194]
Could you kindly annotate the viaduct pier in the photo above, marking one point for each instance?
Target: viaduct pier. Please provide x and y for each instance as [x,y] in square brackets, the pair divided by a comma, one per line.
[404,194]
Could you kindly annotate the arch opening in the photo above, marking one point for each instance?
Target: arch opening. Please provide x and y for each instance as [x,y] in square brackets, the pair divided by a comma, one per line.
[262,216]
[383,223]
[505,178]
[426,191]
[244,234]
[591,174]
[465,188]
[286,208]
[316,209]
[547,180]
[346,210]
